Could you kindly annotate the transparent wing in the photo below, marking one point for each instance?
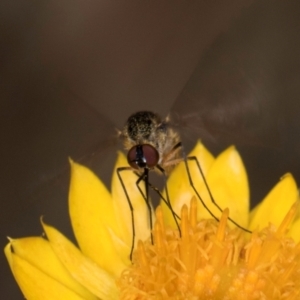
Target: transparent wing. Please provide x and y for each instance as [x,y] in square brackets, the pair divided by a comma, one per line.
[36,176]
[244,91]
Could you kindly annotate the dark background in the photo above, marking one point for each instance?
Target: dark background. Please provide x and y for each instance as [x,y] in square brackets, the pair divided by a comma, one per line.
[73,71]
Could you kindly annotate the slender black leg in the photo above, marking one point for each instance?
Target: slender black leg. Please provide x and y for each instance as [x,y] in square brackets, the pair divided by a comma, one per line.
[196,192]
[168,199]
[119,170]
[194,158]
[163,199]
[145,178]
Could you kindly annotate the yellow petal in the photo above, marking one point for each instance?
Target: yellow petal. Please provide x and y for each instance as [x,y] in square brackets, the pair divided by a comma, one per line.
[228,183]
[180,191]
[82,269]
[8,254]
[141,214]
[36,284]
[276,204]
[92,216]
[295,231]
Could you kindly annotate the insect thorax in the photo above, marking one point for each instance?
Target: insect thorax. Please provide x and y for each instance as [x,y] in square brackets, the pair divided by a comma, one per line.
[148,128]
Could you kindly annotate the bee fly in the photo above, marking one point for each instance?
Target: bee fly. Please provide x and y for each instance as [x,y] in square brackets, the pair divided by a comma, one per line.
[152,143]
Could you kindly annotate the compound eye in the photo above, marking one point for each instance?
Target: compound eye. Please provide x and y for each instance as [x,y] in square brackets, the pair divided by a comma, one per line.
[142,156]
[132,158]
[151,155]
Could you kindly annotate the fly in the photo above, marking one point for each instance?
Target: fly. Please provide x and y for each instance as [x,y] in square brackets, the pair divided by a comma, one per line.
[153,144]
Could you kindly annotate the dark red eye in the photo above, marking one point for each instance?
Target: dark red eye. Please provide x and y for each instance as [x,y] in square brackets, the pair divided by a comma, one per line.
[151,155]
[142,156]
[131,158]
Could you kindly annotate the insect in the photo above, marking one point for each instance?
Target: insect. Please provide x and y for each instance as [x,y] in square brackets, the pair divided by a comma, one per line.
[152,143]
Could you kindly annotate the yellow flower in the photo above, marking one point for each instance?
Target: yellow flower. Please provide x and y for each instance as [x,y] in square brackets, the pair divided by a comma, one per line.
[212,262]
[54,268]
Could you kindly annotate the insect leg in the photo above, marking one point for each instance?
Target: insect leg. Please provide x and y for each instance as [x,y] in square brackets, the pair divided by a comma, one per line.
[163,199]
[167,200]
[145,178]
[119,170]
[194,158]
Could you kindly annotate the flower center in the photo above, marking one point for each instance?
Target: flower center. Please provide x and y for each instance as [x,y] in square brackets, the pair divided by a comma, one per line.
[212,261]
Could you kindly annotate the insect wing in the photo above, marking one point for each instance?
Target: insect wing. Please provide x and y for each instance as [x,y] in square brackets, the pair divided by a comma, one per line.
[243,92]
[40,169]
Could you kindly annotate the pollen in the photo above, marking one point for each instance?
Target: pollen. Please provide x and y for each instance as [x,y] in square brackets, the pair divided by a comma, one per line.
[211,261]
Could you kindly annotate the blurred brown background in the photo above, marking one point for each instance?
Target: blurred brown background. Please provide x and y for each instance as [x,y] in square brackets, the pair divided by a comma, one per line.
[73,71]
